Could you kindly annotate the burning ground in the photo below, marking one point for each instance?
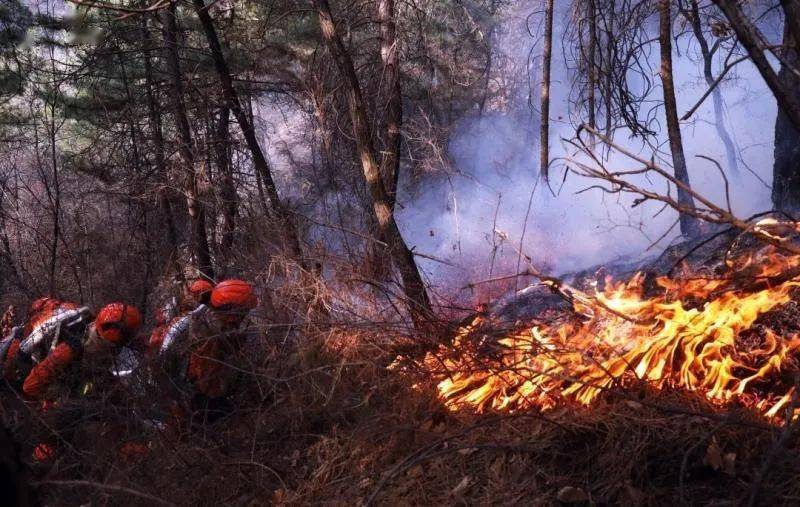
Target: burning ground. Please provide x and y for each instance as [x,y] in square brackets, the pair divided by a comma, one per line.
[726,329]
[676,380]
[664,382]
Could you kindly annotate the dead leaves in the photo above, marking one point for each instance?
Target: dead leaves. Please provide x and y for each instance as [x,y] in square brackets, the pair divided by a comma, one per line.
[718,460]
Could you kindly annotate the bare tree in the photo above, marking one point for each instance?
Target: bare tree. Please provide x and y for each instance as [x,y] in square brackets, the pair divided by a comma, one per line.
[418,302]
[199,236]
[248,130]
[547,57]
[689,224]
[786,165]
[227,193]
[390,159]
[591,59]
[156,129]
[692,14]
[784,85]
[749,36]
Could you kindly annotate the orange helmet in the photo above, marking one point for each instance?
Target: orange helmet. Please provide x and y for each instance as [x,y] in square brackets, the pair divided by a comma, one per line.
[44,308]
[233,293]
[38,305]
[118,322]
[200,288]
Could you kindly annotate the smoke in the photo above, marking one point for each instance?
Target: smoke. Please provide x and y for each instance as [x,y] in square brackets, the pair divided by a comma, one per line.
[491,206]
[476,219]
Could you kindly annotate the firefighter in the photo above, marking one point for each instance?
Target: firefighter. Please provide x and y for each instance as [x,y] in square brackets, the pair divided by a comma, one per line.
[219,336]
[46,317]
[194,303]
[168,351]
[202,353]
[79,358]
[187,353]
[93,349]
[199,293]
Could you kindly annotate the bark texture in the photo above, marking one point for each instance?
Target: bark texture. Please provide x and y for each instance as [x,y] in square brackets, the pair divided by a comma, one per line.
[689,224]
[197,214]
[547,57]
[260,163]
[786,165]
[403,258]
[390,160]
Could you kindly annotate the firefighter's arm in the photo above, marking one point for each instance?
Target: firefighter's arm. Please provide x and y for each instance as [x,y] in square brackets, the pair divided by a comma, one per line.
[43,374]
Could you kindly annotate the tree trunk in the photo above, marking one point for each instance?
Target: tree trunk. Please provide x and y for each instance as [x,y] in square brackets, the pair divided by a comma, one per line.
[259,160]
[609,81]
[185,146]
[716,95]
[228,195]
[592,74]
[417,297]
[379,261]
[154,117]
[8,266]
[689,224]
[390,162]
[56,200]
[791,11]
[748,36]
[547,56]
[786,166]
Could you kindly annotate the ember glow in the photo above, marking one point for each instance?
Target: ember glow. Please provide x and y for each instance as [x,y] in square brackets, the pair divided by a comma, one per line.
[697,333]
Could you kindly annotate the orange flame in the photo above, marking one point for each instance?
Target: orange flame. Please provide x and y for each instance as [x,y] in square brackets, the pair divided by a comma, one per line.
[691,335]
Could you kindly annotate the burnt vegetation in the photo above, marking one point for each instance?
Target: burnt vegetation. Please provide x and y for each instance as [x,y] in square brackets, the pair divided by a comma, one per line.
[149,144]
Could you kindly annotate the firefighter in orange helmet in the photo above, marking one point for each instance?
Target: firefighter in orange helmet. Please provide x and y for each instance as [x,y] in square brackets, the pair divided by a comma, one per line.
[195,302]
[78,359]
[200,292]
[46,317]
[216,340]
[115,326]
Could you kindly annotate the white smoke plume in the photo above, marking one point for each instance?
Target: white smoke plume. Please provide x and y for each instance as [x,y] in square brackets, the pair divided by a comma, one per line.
[496,160]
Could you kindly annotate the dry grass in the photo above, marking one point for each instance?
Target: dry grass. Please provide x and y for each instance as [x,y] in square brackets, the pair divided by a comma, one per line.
[326,423]
[317,418]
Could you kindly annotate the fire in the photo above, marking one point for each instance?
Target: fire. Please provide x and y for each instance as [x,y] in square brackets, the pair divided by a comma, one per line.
[692,332]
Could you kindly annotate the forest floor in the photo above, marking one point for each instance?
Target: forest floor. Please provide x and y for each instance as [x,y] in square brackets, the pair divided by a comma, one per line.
[346,431]
[335,417]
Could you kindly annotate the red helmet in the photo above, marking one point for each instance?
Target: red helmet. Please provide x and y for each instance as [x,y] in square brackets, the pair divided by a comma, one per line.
[233,293]
[118,322]
[47,304]
[201,287]
[43,308]
[39,304]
